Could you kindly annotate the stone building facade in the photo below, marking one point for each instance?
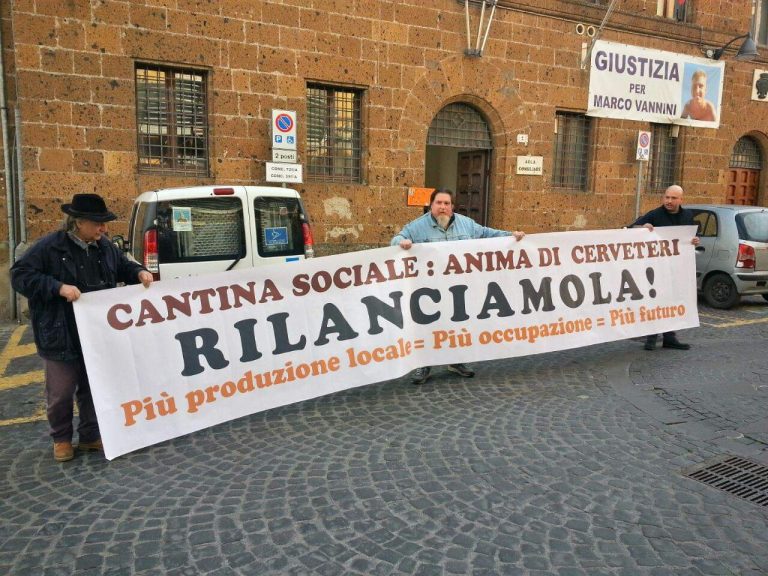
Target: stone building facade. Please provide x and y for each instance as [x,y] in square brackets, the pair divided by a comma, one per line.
[123,96]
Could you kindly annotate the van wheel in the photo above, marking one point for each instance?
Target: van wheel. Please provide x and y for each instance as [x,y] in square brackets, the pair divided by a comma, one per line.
[720,291]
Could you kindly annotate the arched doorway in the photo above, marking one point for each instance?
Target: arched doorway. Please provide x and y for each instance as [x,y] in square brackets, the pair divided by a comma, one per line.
[744,172]
[458,157]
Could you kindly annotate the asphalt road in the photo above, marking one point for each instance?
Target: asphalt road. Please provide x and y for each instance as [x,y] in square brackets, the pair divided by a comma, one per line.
[569,463]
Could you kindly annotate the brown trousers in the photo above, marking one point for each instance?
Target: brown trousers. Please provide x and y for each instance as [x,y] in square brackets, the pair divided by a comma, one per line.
[64,383]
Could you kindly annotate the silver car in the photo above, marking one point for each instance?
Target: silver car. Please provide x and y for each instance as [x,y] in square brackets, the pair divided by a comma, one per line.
[732,257]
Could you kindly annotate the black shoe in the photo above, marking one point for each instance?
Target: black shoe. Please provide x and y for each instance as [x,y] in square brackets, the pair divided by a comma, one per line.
[650,344]
[676,345]
[420,375]
[461,370]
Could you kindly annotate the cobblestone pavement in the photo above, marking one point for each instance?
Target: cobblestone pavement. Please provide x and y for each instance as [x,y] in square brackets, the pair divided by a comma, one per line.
[562,464]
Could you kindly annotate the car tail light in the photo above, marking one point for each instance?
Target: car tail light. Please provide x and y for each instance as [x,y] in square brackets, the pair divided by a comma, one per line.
[746,257]
[223,191]
[309,243]
[151,261]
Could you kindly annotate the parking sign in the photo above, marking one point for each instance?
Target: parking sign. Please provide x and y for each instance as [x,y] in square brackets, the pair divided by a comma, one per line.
[643,145]
[284,129]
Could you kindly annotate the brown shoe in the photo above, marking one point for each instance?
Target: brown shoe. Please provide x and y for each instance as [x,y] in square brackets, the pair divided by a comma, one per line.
[63,451]
[95,446]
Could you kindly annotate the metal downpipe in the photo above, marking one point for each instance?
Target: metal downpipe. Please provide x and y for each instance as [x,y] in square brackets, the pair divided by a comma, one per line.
[9,204]
[20,182]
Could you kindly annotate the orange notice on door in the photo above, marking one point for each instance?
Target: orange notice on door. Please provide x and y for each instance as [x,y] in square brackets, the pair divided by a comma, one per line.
[419,196]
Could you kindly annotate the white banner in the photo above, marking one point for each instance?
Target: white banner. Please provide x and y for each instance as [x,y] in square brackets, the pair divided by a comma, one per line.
[634,83]
[189,353]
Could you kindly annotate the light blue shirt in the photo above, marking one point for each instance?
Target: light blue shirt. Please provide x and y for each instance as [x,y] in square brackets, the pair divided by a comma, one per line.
[426,229]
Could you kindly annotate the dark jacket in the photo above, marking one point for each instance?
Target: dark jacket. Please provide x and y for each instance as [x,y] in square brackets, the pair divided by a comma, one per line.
[661,217]
[39,274]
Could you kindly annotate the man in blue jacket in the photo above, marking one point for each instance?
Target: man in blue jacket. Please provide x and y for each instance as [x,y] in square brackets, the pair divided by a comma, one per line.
[441,224]
[52,274]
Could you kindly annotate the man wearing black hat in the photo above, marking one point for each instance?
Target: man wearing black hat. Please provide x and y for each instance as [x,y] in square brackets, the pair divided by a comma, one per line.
[52,274]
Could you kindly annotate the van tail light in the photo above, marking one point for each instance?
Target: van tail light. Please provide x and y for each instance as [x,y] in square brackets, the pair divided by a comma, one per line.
[151,261]
[746,257]
[309,243]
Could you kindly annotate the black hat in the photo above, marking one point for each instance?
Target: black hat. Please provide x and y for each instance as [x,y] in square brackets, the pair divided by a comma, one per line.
[90,207]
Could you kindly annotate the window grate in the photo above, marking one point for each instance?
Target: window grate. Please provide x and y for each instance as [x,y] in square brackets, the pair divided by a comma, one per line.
[663,165]
[746,154]
[743,478]
[334,134]
[172,111]
[572,151]
[216,231]
[459,126]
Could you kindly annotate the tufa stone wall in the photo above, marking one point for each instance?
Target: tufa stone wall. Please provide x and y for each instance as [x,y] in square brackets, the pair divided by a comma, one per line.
[72,67]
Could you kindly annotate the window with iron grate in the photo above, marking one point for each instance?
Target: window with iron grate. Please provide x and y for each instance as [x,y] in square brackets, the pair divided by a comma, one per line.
[334,133]
[572,151]
[746,154]
[172,119]
[459,126]
[663,164]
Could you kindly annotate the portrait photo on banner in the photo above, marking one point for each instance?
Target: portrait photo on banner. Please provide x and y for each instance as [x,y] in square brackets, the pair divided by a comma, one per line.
[700,94]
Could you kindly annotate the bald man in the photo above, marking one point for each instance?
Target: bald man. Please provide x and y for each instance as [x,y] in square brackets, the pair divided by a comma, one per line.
[670,213]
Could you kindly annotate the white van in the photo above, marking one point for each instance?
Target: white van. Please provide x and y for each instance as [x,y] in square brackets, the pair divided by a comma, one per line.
[179,232]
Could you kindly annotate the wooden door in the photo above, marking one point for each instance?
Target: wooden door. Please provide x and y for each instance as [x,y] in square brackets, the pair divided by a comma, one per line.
[472,185]
[742,186]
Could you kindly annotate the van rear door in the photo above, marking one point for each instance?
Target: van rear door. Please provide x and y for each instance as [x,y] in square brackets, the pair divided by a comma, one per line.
[193,231]
[279,221]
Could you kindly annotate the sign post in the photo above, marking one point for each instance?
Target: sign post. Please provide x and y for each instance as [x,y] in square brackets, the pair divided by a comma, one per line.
[643,155]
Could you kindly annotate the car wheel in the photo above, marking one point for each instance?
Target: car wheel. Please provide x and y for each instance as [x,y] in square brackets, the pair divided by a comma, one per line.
[720,291]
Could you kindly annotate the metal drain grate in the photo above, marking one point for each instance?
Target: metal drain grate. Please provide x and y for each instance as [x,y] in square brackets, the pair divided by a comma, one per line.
[737,476]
